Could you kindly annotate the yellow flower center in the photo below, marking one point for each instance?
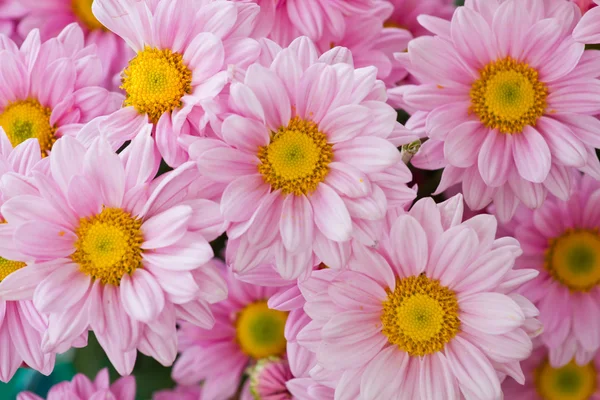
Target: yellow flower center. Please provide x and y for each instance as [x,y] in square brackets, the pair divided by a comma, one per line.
[297,158]
[571,382]
[420,316]
[508,96]
[108,245]
[83,11]
[574,259]
[7,267]
[155,81]
[259,330]
[27,119]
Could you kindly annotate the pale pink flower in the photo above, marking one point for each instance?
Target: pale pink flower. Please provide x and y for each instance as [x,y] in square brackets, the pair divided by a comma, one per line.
[561,240]
[185,55]
[309,158]
[51,16]
[11,11]
[431,314]
[246,330]
[510,98]
[21,325]
[542,381]
[587,30]
[179,393]
[115,252]
[406,12]
[49,89]
[82,388]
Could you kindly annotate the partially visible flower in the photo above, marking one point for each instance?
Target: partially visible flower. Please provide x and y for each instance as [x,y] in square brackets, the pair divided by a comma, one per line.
[309,159]
[406,12]
[432,312]
[116,251]
[510,99]
[544,382]
[11,11]
[49,89]
[185,55]
[179,393]
[561,240]
[82,388]
[52,16]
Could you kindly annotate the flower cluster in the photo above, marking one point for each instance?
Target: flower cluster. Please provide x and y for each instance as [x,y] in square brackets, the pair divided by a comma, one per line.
[225,186]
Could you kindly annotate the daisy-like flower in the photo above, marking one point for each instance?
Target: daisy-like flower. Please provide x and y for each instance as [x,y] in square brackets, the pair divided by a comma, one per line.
[510,98]
[431,314]
[21,325]
[11,11]
[309,158]
[185,55]
[51,16]
[561,240]
[406,12]
[545,382]
[246,330]
[50,89]
[82,388]
[114,253]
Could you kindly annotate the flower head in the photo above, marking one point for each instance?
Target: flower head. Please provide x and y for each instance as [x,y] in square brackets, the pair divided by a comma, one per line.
[561,240]
[184,57]
[432,311]
[309,159]
[498,90]
[113,252]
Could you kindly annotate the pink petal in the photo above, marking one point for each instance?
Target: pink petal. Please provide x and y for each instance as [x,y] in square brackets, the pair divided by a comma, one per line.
[410,250]
[166,228]
[296,223]
[531,155]
[62,289]
[492,313]
[141,295]
[330,214]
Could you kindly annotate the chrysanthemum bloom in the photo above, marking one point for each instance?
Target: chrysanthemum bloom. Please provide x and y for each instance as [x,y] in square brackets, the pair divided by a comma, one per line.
[587,30]
[246,330]
[307,157]
[431,315]
[21,325]
[545,382]
[185,55]
[510,98]
[561,240]
[51,16]
[82,388]
[11,11]
[114,253]
[50,89]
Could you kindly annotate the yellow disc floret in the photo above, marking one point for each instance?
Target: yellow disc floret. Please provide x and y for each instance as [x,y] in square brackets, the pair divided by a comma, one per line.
[574,259]
[7,267]
[27,119]
[108,245]
[508,96]
[571,382]
[83,10]
[259,330]
[420,316]
[155,82]
[297,158]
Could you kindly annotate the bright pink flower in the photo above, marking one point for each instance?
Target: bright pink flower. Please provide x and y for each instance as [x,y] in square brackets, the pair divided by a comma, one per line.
[510,98]
[49,89]
[309,158]
[542,381]
[51,16]
[11,11]
[115,252]
[82,388]
[431,313]
[560,240]
[21,325]
[246,330]
[185,55]
[179,393]
[587,30]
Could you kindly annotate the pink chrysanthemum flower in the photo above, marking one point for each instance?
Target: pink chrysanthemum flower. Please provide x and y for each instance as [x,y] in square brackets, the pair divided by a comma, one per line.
[246,330]
[429,315]
[545,382]
[587,30]
[185,55]
[510,98]
[49,89]
[309,158]
[51,16]
[82,388]
[561,240]
[21,325]
[406,12]
[11,11]
[115,252]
